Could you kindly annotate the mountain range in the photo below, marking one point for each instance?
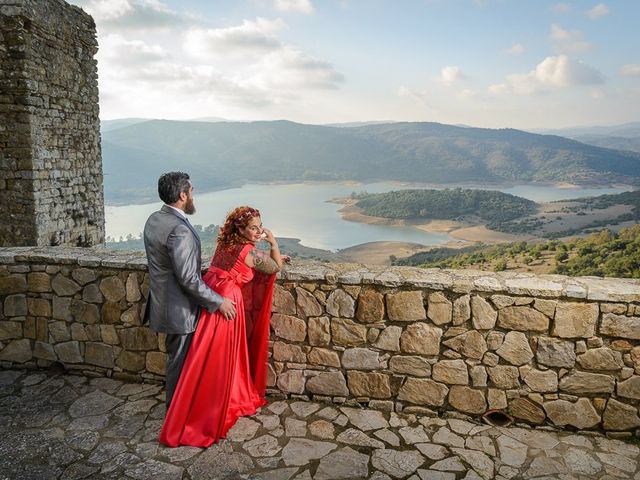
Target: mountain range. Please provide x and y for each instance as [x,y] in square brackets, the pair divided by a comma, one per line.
[224,154]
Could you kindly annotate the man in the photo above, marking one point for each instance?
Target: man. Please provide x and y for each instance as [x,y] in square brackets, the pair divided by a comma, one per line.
[176,288]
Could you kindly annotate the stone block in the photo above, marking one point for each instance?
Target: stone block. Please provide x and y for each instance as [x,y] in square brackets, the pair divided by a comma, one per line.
[423,391]
[346,333]
[523,318]
[468,400]
[131,361]
[323,356]
[629,388]
[461,311]
[156,362]
[39,282]
[307,304]
[515,349]
[39,307]
[99,354]
[526,410]
[553,352]
[601,359]
[319,331]
[138,338]
[44,351]
[620,326]
[370,307]
[13,284]
[10,330]
[288,327]
[470,344]
[360,359]
[575,320]
[59,332]
[328,383]
[63,286]
[284,352]
[421,338]
[283,301]
[410,365]
[15,306]
[132,289]
[440,310]
[340,304]
[579,383]
[291,381]
[482,314]
[17,351]
[92,294]
[619,416]
[389,339]
[451,372]
[112,288]
[543,381]
[406,306]
[84,275]
[503,376]
[580,414]
[68,352]
[372,385]
[110,312]
[109,335]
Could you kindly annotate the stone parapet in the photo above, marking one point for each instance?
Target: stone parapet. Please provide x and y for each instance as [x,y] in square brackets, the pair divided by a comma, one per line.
[546,349]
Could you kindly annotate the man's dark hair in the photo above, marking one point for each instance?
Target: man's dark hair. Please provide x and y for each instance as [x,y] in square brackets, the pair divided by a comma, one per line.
[171,185]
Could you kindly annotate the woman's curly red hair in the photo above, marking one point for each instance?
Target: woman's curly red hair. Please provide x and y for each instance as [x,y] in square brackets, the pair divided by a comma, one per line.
[239,217]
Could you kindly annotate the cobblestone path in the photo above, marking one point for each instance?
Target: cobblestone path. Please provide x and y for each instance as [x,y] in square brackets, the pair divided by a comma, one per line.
[72,427]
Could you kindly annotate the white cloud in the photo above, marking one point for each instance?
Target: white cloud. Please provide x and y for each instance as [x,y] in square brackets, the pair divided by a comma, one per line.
[251,38]
[598,11]
[298,6]
[561,8]
[566,41]
[551,74]
[451,74]
[516,49]
[139,15]
[597,94]
[630,70]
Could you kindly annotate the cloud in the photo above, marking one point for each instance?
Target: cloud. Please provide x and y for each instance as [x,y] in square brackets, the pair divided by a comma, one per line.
[551,74]
[630,70]
[568,41]
[516,49]
[598,11]
[561,8]
[597,94]
[451,74]
[251,38]
[121,52]
[139,15]
[298,6]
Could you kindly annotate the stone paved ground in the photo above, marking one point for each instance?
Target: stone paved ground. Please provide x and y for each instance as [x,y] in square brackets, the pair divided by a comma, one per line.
[73,427]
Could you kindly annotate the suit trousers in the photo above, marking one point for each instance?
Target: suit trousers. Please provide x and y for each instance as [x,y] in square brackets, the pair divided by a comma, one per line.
[177,346]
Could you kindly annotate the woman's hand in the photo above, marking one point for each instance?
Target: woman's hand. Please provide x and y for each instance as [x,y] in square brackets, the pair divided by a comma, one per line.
[286,258]
[269,236]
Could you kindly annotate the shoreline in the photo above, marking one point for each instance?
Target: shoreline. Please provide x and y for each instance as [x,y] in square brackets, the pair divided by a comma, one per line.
[462,233]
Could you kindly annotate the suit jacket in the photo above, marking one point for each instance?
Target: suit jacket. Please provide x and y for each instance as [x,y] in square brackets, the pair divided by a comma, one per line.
[176,288]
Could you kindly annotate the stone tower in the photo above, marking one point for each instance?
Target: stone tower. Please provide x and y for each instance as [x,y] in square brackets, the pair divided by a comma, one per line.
[50,161]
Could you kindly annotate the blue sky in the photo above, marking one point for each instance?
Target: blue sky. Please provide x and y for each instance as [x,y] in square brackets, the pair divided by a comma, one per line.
[487,63]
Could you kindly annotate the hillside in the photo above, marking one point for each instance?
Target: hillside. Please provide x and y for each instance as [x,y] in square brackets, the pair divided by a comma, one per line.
[227,154]
[603,253]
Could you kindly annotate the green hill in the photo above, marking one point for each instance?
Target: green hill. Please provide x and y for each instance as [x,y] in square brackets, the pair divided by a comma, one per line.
[226,154]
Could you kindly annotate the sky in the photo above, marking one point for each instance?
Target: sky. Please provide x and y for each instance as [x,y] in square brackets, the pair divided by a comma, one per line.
[528,64]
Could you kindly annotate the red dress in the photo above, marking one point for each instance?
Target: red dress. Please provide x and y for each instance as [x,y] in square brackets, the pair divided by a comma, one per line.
[224,373]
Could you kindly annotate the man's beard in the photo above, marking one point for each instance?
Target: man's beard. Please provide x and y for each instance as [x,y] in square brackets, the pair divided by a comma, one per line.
[189,207]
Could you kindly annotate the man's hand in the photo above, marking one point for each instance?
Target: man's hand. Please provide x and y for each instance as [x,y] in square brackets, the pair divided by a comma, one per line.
[228,309]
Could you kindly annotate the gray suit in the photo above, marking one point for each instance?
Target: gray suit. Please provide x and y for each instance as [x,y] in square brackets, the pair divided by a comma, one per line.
[176,288]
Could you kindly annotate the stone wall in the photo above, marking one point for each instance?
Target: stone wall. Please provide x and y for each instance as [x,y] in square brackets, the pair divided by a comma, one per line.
[546,349]
[50,160]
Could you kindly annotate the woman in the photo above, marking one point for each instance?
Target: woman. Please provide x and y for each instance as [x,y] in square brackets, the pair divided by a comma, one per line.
[224,374]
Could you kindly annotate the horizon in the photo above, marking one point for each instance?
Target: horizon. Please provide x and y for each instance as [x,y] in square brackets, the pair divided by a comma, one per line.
[528,66]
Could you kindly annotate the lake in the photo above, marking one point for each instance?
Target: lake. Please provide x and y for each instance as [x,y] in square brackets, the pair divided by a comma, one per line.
[302,211]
